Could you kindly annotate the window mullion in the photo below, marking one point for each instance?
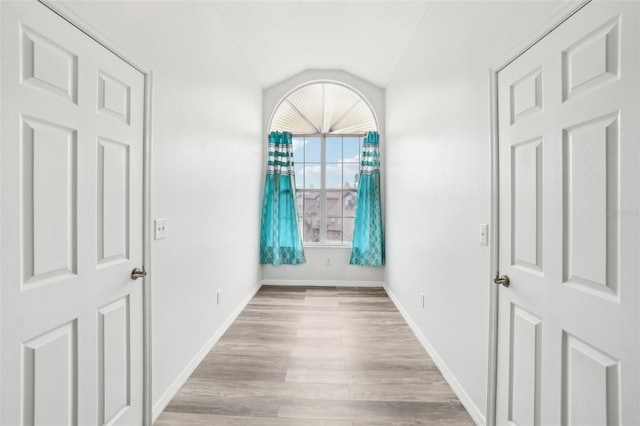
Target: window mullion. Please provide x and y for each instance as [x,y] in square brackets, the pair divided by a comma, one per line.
[342,193]
[323,189]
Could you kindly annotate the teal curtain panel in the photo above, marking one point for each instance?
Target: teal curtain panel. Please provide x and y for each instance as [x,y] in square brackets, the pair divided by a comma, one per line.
[368,235]
[280,240]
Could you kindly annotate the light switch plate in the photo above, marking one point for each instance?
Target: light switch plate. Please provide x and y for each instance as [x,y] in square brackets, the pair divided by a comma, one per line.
[161,229]
[484,234]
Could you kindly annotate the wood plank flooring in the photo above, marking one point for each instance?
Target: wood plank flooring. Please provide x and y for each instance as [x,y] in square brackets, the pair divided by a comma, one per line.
[331,356]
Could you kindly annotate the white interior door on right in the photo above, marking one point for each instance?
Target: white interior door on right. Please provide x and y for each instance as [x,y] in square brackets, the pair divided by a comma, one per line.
[569,155]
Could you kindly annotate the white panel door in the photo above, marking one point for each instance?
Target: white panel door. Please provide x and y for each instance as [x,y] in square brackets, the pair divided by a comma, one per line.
[569,324]
[71,158]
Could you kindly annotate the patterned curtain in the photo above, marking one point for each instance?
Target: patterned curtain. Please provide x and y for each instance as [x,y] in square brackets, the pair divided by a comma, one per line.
[368,236]
[280,242]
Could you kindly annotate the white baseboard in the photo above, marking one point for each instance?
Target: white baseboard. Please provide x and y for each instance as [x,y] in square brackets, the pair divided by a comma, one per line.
[324,283]
[463,396]
[168,395]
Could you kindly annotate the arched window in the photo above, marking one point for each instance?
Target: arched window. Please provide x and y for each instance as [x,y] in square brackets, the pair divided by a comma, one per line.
[324,108]
[328,122]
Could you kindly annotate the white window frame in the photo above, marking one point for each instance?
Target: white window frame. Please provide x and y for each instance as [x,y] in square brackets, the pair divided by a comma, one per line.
[322,242]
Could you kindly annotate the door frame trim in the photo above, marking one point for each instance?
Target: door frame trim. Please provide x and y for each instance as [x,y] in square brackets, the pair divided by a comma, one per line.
[553,21]
[91,30]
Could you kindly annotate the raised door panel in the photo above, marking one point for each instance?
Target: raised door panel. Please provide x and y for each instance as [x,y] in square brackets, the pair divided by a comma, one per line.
[114,360]
[590,196]
[114,97]
[48,189]
[590,385]
[49,378]
[525,367]
[113,201]
[526,201]
[48,66]
[592,61]
[526,95]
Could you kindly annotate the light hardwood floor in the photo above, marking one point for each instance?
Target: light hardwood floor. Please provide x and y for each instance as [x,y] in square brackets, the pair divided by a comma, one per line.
[317,356]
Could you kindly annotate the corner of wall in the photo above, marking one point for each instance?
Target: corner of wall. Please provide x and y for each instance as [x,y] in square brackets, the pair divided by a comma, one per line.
[164,399]
[474,411]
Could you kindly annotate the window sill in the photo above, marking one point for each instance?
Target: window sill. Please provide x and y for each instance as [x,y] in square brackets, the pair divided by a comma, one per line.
[327,246]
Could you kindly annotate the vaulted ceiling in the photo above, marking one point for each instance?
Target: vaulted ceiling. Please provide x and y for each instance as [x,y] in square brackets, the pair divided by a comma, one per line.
[282,38]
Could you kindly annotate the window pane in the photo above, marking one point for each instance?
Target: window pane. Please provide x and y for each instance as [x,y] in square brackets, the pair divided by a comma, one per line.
[312,176]
[347,230]
[311,204]
[327,207]
[334,203]
[349,204]
[350,175]
[311,230]
[312,150]
[299,176]
[334,175]
[301,227]
[334,149]
[351,149]
[334,230]
[300,201]
[298,150]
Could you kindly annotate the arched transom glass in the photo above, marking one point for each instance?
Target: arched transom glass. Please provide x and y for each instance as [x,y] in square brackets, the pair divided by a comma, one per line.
[324,108]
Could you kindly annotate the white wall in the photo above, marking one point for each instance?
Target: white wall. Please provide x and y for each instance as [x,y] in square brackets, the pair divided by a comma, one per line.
[438,179]
[315,271]
[207,162]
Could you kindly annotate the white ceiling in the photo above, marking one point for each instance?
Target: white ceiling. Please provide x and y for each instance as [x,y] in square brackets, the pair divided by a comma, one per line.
[280,39]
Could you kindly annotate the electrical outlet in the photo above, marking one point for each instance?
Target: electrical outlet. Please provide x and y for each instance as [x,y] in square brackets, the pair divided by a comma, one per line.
[327,261]
[422,300]
[219,297]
